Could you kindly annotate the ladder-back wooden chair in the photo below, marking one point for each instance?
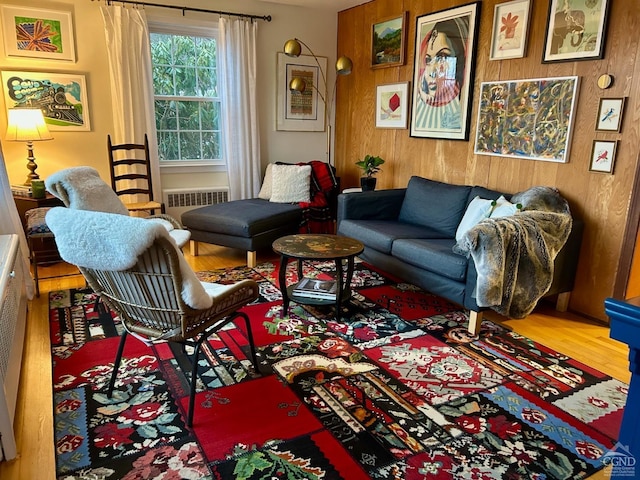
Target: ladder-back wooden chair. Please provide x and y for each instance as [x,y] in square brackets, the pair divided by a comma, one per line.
[138,272]
[127,181]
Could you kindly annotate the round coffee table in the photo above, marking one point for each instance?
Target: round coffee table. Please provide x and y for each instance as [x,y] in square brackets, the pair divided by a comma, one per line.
[303,247]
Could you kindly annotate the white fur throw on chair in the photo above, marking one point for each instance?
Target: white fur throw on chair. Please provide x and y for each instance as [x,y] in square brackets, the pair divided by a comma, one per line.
[106,241]
[82,188]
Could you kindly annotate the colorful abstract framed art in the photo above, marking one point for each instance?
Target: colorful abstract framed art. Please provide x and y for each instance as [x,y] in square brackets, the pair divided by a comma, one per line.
[391,105]
[38,33]
[62,97]
[510,27]
[603,156]
[575,30]
[445,46]
[529,119]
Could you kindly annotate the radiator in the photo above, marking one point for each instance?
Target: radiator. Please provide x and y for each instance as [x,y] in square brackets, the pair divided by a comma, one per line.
[13,313]
[178,201]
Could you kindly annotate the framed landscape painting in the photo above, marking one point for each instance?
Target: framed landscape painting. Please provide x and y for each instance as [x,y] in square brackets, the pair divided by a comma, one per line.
[388,42]
[62,97]
[575,30]
[529,119]
[445,46]
[38,33]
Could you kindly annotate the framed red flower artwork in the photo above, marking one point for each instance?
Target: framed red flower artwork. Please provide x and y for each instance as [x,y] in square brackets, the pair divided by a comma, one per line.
[509,33]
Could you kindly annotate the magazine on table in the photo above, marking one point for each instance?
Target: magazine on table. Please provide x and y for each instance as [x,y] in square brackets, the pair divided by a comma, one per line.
[316,288]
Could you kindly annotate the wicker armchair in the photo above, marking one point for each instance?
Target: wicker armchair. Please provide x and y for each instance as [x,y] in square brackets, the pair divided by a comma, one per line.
[148,283]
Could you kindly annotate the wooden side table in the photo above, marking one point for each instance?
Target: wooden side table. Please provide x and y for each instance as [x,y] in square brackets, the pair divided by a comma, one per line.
[303,247]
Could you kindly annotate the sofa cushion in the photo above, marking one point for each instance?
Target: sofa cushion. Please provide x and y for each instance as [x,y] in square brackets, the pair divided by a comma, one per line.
[290,183]
[503,208]
[436,205]
[243,218]
[434,255]
[478,209]
[267,182]
[483,192]
[380,234]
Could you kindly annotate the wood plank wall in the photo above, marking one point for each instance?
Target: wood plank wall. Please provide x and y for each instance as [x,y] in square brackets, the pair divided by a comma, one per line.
[602,200]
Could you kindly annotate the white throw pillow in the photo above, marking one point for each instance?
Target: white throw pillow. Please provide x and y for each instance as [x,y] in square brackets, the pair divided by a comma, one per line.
[478,209]
[267,182]
[503,208]
[291,183]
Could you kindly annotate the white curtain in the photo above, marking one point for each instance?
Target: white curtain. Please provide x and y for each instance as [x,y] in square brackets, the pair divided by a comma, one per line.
[10,223]
[130,72]
[241,145]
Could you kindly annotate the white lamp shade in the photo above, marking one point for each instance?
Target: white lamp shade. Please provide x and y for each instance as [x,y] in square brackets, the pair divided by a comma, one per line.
[27,124]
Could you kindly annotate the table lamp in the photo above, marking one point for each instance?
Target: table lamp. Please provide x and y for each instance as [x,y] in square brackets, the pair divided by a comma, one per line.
[27,125]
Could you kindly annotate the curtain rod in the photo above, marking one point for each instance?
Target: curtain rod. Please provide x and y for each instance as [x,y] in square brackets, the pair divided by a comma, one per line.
[266,18]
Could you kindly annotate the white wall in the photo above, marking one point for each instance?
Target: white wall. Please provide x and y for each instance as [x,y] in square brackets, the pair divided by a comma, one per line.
[317,28]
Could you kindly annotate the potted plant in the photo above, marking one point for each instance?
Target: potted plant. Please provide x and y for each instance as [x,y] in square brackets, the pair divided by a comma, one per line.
[370,165]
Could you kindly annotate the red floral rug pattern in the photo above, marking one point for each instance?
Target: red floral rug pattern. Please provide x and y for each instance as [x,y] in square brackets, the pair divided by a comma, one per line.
[394,388]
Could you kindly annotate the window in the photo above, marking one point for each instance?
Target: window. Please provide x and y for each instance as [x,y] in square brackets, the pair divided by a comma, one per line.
[186,95]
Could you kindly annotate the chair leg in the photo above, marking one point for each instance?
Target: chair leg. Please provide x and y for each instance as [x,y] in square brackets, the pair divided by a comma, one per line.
[116,366]
[194,373]
[252,346]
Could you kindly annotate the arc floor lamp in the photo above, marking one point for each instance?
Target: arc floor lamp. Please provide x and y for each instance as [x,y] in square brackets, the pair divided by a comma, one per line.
[344,65]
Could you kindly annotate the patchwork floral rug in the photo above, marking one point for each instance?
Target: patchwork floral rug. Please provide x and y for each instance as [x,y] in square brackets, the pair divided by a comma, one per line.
[395,389]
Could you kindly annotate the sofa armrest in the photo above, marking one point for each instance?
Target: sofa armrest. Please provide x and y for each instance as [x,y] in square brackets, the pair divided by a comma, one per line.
[374,205]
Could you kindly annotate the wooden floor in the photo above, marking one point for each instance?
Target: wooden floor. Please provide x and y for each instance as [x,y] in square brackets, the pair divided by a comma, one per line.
[582,339]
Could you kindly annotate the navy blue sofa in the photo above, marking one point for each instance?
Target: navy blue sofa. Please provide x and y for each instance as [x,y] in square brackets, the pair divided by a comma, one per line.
[410,233]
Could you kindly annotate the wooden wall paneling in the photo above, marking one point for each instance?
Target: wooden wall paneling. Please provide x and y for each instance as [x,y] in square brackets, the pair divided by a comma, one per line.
[601,200]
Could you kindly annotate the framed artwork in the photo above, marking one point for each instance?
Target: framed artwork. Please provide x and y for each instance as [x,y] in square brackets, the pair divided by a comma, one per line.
[445,46]
[38,33]
[510,27]
[529,119]
[391,105]
[575,30]
[388,42]
[603,156]
[301,111]
[62,97]
[610,114]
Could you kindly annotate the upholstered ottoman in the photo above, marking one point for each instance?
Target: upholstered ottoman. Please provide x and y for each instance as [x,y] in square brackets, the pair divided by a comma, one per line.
[250,224]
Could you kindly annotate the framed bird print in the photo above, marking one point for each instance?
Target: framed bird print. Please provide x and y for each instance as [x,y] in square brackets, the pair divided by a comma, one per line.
[610,115]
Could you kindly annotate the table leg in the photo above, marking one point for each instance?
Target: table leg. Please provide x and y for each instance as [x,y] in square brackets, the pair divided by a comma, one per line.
[339,289]
[282,281]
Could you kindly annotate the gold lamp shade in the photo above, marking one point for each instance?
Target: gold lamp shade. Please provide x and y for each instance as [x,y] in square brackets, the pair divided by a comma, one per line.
[297,84]
[292,48]
[344,66]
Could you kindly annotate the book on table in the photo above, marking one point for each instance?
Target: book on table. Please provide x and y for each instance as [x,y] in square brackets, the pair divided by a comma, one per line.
[316,288]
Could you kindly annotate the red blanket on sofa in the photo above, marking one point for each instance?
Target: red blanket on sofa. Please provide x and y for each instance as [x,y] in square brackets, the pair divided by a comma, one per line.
[318,215]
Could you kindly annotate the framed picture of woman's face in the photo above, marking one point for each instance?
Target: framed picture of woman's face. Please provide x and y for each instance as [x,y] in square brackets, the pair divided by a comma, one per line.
[445,45]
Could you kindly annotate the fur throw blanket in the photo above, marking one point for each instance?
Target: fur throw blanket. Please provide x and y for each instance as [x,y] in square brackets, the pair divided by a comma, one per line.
[107,241]
[514,256]
[83,189]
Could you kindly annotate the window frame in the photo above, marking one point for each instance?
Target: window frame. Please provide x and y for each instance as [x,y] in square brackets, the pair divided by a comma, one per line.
[191,166]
